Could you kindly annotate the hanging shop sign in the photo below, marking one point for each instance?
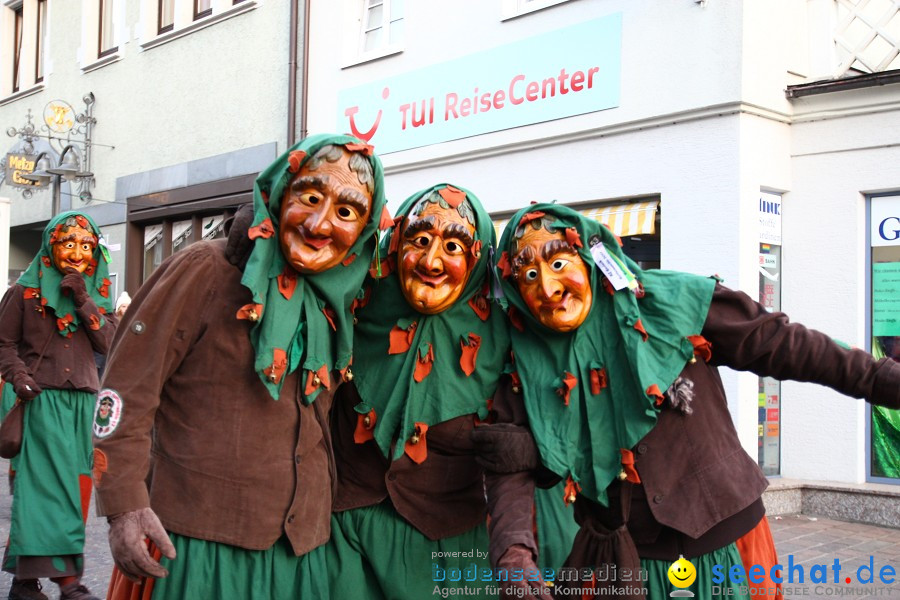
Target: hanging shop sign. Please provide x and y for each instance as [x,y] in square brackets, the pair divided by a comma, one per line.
[570,71]
[16,165]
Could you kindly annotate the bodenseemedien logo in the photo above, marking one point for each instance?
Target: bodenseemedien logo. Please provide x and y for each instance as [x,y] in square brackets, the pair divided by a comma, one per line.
[682,574]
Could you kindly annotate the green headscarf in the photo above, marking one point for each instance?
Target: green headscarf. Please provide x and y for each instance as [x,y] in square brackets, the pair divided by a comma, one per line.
[308,317]
[594,391]
[387,382]
[43,276]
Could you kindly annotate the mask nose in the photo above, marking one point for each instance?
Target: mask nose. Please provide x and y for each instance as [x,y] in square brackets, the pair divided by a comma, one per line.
[431,261]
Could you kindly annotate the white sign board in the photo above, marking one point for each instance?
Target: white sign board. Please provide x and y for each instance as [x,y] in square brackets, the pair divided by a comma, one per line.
[885,221]
[770,218]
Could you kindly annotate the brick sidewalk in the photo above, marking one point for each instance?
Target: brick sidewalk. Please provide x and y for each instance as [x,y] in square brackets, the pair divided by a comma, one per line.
[809,541]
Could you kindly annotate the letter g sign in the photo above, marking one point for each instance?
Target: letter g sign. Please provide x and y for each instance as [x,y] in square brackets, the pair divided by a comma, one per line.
[895,232]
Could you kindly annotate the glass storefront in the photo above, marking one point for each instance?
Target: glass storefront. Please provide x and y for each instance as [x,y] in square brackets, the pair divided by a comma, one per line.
[769,400]
[884,452]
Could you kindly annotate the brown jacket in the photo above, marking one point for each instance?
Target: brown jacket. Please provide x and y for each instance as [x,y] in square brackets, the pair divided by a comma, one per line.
[696,478]
[229,463]
[68,363]
[441,497]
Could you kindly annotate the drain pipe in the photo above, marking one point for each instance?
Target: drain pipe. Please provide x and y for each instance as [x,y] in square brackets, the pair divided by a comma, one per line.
[292,72]
[292,76]
[304,87]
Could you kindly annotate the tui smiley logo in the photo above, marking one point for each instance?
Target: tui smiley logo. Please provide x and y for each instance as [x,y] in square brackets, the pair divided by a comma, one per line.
[365,136]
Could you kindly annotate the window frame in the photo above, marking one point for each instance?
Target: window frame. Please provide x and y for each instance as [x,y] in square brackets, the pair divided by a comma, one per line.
[40,41]
[160,28]
[100,30]
[18,42]
[388,8]
[198,14]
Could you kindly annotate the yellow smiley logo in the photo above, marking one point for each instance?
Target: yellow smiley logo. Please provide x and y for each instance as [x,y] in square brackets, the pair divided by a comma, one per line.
[682,573]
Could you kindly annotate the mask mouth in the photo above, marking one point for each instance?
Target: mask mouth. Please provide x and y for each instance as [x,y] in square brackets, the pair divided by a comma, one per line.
[431,280]
[315,241]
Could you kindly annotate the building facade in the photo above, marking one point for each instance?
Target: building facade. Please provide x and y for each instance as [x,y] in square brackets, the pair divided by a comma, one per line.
[192,98]
[758,135]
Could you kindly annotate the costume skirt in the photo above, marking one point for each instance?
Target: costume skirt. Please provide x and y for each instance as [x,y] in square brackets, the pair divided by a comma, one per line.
[375,554]
[704,587]
[555,524]
[52,484]
[204,569]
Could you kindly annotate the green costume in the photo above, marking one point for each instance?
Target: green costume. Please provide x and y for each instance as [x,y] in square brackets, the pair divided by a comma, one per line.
[304,317]
[386,381]
[414,371]
[596,390]
[298,322]
[52,471]
[620,371]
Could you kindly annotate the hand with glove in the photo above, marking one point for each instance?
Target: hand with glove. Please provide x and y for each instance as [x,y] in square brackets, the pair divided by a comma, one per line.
[505,448]
[25,387]
[72,284]
[520,557]
[239,245]
[128,533]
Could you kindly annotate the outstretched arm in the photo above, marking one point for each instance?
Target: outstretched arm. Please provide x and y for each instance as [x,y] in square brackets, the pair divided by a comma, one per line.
[747,337]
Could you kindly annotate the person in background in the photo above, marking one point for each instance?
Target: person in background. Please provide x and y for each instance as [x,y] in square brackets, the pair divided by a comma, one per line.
[122,304]
[217,447]
[52,321]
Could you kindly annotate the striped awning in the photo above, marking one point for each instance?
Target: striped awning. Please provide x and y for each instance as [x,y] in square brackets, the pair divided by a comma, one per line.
[635,218]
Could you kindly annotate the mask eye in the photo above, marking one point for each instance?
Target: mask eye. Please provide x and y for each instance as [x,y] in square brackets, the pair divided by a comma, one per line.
[347,213]
[455,247]
[309,199]
[559,264]
[86,247]
[421,241]
[531,275]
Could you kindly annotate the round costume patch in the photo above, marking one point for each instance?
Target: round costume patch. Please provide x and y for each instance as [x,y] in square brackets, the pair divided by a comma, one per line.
[108,413]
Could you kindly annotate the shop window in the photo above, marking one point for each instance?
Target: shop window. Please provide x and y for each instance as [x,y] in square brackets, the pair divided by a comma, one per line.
[884,425]
[637,223]
[166,222]
[161,240]
[770,269]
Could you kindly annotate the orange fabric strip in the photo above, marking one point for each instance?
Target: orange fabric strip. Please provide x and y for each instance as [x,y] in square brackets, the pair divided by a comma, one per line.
[452,196]
[628,465]
[756,547]
[417,452]
[264,230]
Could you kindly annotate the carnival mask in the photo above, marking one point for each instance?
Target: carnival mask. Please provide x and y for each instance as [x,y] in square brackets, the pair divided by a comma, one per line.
[552,279]
[324,209]
[73,247]
[435,255]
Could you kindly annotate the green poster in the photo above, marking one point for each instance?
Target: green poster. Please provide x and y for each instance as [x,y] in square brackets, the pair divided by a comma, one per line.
[886,299]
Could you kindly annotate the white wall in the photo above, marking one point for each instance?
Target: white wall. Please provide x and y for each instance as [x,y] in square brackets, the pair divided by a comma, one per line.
[841,152]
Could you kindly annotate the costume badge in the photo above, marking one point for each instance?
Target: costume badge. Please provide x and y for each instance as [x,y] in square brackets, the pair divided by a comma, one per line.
[618,274]
[108,413]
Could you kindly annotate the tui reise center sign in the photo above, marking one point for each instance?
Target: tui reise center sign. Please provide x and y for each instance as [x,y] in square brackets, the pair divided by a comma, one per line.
[570,71]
